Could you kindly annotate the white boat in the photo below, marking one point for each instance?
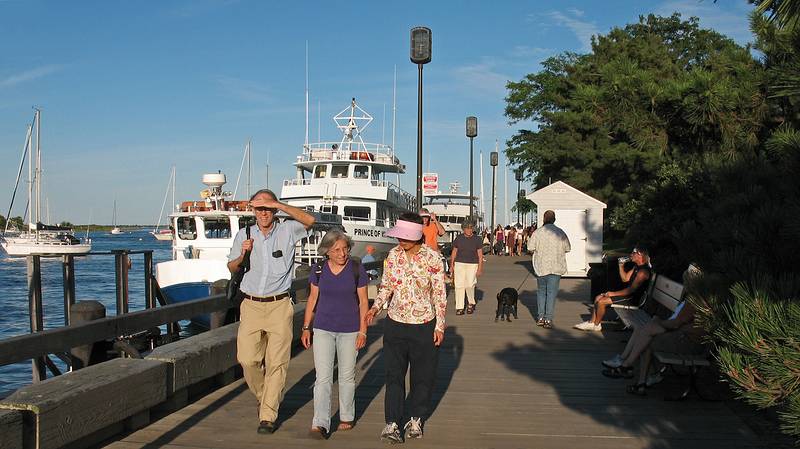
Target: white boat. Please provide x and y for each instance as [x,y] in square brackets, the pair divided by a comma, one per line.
[348,178]
[38,238]
[204,233]
[165,234]
[115,230]
[451,209]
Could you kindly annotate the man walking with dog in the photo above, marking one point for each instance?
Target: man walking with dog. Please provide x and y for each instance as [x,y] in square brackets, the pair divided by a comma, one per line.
[549,245]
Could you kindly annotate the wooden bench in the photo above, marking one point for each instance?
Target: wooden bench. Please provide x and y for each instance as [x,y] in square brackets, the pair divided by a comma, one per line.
[668,294]
[661,290]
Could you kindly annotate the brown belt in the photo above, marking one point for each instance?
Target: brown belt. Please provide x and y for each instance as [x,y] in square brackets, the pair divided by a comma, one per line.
[267,298]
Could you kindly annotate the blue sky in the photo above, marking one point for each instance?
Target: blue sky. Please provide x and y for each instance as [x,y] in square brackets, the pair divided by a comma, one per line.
[129,88]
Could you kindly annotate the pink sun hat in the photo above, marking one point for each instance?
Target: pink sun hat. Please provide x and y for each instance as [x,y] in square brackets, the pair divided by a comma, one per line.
[405,230]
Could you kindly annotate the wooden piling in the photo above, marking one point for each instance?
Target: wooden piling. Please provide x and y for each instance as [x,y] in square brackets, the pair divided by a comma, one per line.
[68,275]
[35,311]
[83,356]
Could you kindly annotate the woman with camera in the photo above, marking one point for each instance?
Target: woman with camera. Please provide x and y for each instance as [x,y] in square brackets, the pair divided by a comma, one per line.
[635,286]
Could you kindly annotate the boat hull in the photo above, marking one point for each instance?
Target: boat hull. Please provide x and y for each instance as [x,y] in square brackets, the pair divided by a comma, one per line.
[189,291]
[163,237]
[20,247]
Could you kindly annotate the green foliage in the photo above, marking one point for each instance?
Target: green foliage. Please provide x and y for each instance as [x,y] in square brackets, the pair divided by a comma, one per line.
[66,224]
[695,146]
[660,88]
[2,222]
[16,223]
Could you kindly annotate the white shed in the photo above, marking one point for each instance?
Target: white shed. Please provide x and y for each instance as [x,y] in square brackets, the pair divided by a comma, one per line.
[580,216]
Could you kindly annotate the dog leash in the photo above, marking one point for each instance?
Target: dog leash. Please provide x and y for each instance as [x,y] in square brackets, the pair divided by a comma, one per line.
[523,281]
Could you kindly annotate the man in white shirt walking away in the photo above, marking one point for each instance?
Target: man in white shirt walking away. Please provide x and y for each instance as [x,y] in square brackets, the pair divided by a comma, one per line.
[549,245]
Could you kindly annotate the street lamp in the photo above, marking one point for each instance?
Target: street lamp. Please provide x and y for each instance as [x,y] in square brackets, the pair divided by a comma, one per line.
[472,131]
[521,197]
[420,55]
[493,160]
[518,176]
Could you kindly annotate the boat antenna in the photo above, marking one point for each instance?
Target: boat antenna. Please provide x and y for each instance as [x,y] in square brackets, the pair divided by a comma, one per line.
[19,175]
[306,94]
[249,168]
[394,116]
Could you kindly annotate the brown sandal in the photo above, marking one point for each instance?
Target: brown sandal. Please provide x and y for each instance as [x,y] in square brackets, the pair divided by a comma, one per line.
[318,433]
[470,309]
[346,425]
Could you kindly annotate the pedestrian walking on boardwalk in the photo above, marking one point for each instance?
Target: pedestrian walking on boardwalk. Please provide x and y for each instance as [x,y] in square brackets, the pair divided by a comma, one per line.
[549,245]
[337,304]
[265,331]
[467,262]
[413,284]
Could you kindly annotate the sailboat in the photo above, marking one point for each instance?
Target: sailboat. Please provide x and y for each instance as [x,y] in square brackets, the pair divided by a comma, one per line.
[165,234]
[38,238]
[115,230]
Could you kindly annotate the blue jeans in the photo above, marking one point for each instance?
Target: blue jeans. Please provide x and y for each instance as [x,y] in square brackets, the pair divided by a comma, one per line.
[327,346]
[546,295]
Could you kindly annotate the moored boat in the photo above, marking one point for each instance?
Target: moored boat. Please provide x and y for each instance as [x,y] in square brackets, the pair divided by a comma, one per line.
[37,238]
[348,178]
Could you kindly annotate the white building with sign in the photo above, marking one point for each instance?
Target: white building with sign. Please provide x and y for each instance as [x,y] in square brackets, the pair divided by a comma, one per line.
[580,216]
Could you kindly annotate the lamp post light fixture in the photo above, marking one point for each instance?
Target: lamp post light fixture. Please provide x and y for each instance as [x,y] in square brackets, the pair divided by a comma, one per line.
[420,55]
[518,176]
[493,161]
[472,132]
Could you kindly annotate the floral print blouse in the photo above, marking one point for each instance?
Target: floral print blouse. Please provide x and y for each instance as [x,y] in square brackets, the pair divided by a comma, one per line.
[415,287]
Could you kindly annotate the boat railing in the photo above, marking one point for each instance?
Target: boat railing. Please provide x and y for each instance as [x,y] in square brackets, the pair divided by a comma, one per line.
[355,150]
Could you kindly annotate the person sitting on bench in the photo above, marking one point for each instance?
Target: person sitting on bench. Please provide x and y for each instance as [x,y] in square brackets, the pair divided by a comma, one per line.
[636,280]
[677,335]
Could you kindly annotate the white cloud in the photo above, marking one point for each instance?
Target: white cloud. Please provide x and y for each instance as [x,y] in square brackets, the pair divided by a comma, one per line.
[245,90]
[526,52]
[482,77]
[28,75]
[731,21]
[583,30]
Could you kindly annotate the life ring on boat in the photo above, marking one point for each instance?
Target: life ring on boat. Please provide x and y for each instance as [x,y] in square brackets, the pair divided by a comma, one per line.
[362,156]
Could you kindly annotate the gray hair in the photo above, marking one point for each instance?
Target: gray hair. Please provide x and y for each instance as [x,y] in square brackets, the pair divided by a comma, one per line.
[330,238]
[264,191]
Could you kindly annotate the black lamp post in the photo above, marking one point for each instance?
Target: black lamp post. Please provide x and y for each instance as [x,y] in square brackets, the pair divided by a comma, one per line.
[493,161]
[521,197]
[420,55]
[472,131]
[518,177]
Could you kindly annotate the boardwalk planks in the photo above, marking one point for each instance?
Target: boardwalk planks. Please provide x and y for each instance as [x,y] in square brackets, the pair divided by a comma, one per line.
[499,385]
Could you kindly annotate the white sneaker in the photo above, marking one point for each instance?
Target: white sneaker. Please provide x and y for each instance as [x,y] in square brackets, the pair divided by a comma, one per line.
[413,428]
[614,362]
[391,434]
[588,326]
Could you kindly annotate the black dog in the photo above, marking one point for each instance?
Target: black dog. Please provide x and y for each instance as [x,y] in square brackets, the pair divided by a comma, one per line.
[506,304]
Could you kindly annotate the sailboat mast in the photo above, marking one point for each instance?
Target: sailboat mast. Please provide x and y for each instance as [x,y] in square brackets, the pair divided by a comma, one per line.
[30,173]
[249,169]
[38,173]
[483,200]
[505,193]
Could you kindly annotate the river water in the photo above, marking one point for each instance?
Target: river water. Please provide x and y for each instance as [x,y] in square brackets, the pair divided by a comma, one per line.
[94,279]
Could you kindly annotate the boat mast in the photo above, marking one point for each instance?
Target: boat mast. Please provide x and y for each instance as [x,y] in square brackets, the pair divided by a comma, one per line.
[505,192]
[25,152]
[306,143]
[394,117]
[483,201]
[249,167]
[38,166]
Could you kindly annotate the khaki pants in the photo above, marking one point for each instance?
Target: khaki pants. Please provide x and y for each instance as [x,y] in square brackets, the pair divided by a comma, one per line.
[264,347]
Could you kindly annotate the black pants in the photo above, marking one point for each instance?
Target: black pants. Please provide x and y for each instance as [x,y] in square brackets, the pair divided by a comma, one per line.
[404,345]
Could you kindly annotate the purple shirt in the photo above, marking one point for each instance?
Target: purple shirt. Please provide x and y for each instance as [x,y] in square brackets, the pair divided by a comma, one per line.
[337,304]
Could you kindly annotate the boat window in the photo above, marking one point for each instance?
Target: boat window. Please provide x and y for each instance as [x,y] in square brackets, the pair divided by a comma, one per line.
[217,228]
[320,171]
[357,213]
[329,209]
[246,221]
[187,230]
[361,172]
[339,171]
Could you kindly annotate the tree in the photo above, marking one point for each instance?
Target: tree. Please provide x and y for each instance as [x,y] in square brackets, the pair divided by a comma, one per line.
[17,223]
[2,222]
[660,89]
[524,206]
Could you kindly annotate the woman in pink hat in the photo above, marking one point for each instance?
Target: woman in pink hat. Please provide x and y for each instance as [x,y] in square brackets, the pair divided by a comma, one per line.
[413,285]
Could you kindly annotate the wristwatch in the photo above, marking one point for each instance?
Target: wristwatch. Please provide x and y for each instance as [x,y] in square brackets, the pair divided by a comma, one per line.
[306,328]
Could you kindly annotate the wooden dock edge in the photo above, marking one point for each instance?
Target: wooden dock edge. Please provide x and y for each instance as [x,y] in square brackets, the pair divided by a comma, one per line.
[82,408]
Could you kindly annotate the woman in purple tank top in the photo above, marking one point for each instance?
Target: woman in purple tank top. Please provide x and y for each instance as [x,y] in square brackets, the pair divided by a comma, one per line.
[337,304]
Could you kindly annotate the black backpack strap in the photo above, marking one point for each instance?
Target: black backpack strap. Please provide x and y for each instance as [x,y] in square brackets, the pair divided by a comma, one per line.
[356,271]
[246,262]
